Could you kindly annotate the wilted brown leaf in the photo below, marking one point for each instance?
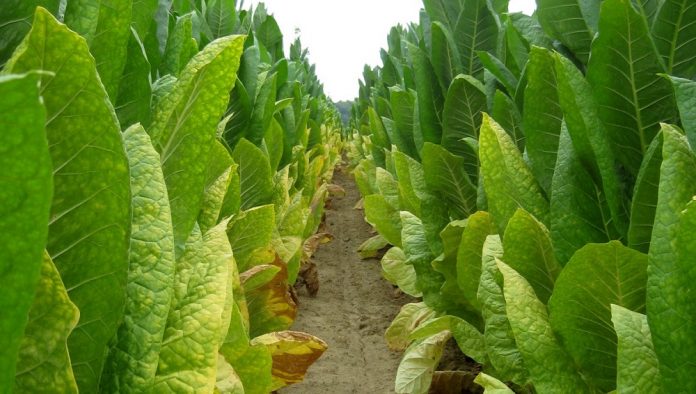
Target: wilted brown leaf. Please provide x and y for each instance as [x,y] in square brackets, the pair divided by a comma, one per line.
[454,382]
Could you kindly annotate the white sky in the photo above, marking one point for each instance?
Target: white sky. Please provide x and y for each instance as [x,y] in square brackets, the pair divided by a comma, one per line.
[344,35]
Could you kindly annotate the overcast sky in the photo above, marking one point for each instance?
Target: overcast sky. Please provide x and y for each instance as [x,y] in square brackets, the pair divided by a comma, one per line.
[344,35]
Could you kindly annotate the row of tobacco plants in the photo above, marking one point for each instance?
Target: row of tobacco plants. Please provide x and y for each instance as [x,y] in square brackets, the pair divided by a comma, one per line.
[164,171]
[535,176]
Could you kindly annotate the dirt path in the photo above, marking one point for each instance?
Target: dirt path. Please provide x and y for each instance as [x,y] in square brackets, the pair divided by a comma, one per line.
[351,311]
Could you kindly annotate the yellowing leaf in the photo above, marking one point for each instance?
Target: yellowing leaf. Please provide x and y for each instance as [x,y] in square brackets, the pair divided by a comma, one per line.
[293,353]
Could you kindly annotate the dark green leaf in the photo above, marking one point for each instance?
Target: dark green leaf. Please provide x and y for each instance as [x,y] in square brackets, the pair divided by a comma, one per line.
[26,189]
[631,98]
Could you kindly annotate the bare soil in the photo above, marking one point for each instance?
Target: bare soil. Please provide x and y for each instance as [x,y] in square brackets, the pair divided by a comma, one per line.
[353,308]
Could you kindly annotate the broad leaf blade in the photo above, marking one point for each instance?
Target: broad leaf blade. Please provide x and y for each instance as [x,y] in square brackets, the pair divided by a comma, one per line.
[251,230]
[597,276]
[91,180]
[568,22]
[685,91]
[464,105]
[397,271]
[673,33]
[550,368]
[478,227]
[132,362]
[384,218]
[254,174]
[476,30]
[16,22]
[529,251]
[185,124]
[508,181]
[43,360]
[579,210]
[446,177]
[187,361]
[25,201]
[632,99]
[416,369]
[645,198]
[500,340]
[542,115]
[293,353]
[671,311]
[637,365]
[589,137]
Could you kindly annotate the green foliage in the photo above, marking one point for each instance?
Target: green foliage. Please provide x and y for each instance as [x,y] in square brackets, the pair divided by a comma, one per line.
[121,274]
[582,167]
[26,193]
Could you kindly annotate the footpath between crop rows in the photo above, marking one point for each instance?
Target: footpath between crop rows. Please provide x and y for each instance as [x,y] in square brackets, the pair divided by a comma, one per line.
[353,308]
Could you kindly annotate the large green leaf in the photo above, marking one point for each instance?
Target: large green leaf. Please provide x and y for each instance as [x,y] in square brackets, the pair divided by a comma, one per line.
[255,174]
[579,211]
[416,369]
[143,16]
[589,136]
[388,187]
[254,369]
[478,227]
[508,116]
[135,90]
[430,96]
[409,318]
[670,308]
[476,30]
[572,22]
[637,366]
[379,138]
[25,197]
[402,106]
[500,340]
[685,91]
[446,177]
[177,51]
[250,230]
[221,16]
[442,11]
[597,276]
[15,21]
[444,54]
[542,115]
[132,361]
[109,46]
[528,250]
[464,105]
[550,368]
[384,218]
[43,361]
[508,181]
[645,198]
[91,180]
[397,271]
[497,69]
[188,358]
[673,33]
[412,187]
[262,113]
[419,255]
[185,123]
[631,98]
[469,339]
